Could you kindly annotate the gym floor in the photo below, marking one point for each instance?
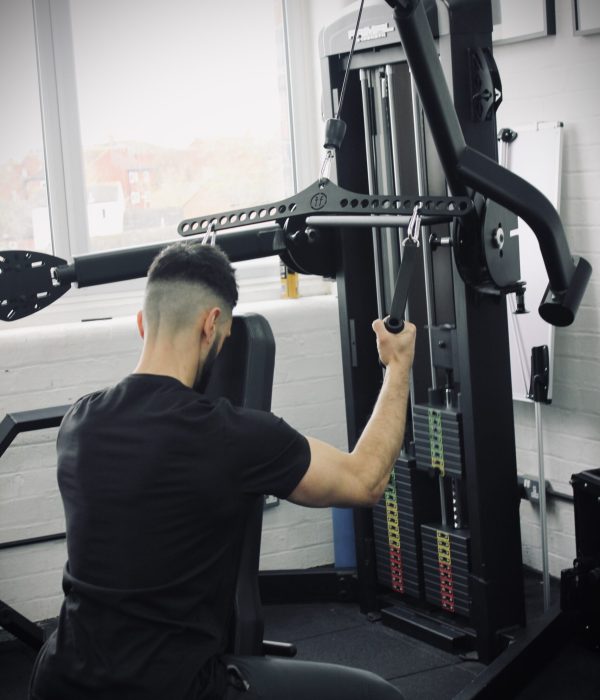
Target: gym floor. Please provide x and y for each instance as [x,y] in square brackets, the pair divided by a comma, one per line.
[338,633]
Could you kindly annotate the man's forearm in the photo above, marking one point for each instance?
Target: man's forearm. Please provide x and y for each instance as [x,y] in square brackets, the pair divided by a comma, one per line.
[381,440]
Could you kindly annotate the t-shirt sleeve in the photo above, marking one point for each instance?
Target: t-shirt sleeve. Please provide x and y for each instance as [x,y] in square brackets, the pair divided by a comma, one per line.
[270,456]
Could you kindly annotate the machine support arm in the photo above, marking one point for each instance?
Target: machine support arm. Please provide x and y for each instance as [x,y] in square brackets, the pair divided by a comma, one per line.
[30,281]
[465,167]
[422,56]
[132,263]
[568,277]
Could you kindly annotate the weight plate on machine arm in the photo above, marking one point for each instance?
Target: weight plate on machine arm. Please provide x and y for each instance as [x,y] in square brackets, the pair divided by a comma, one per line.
[486,255]
[27,283]
[309,250]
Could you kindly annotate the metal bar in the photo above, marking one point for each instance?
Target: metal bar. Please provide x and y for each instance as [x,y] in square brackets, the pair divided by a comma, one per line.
[368,220]
[386,182]
[394,137]
[543,512]
[366,92]
[23,421]
[22,628]
[427,73]
[359,220]
[393,126]
[422,182]
[33,540]
[131,263]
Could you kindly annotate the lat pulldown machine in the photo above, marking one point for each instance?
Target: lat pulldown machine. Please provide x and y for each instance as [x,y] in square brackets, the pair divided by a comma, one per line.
[467,563]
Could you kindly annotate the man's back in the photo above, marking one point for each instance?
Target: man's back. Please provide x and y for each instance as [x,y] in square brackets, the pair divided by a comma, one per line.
[156,482]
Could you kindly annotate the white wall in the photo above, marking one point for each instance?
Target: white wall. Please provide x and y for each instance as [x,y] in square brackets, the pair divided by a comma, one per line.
[53,365]
[556,79]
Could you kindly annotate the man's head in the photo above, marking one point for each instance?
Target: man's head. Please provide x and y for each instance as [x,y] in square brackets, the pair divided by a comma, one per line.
[190,295]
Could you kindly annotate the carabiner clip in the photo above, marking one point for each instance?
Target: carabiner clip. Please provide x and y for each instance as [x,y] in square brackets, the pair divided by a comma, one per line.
[210,237]
[414,226]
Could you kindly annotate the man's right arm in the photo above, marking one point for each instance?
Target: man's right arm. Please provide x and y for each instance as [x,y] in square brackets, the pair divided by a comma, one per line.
[359,478]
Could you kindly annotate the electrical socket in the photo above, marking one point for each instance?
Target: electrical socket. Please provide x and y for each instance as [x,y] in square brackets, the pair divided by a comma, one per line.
[531,487]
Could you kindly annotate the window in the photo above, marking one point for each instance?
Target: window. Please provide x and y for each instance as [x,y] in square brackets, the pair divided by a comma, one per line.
[183,109]
[24,219]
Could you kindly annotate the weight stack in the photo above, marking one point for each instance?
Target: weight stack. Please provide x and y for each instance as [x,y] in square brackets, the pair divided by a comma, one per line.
[409,498]
[446,566]
[438,439]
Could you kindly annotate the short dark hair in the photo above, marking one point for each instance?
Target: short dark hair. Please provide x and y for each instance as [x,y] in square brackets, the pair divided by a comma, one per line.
[199,264]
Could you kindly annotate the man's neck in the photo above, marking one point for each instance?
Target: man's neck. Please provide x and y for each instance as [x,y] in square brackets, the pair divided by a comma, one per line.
[169,362]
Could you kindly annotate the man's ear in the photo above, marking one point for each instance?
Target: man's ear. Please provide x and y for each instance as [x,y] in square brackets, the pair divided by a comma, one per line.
[140,323]
[210,323]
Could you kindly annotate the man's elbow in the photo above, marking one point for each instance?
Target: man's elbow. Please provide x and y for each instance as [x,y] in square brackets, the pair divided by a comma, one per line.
[374,492]
[369,495]
[373,497]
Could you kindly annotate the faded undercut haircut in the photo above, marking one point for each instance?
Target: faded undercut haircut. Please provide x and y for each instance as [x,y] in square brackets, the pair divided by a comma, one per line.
[185,278]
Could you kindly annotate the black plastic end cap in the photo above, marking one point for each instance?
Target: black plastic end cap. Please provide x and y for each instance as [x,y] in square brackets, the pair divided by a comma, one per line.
[559,309]
[554,313]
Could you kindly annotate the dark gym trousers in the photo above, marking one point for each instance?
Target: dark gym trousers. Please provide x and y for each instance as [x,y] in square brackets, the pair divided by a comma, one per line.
[156,482]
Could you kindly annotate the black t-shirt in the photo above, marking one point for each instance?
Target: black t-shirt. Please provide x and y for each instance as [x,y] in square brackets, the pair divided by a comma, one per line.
[156,482]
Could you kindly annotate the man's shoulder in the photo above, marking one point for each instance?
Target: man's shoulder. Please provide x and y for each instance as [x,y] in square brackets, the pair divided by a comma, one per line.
[86,398]
[255,423]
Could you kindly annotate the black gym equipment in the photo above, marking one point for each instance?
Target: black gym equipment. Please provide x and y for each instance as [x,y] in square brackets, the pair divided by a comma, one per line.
[455,582]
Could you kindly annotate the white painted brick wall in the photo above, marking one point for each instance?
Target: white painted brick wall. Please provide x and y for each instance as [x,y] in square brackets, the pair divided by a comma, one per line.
[556,79]
[54,365]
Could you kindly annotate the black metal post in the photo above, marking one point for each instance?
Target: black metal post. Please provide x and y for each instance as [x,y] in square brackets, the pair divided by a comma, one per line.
[355,276]
[497,596]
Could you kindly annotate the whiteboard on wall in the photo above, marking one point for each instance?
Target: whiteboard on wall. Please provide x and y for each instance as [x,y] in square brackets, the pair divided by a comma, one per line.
[535,155]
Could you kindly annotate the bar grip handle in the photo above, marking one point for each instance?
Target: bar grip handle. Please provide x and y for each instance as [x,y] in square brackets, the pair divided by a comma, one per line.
[394,325]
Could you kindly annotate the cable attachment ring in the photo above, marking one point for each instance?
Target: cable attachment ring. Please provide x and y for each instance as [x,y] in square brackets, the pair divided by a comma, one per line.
[414,227]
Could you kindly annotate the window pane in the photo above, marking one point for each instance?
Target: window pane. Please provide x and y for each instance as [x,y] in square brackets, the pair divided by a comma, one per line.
[24,219]
[183,109]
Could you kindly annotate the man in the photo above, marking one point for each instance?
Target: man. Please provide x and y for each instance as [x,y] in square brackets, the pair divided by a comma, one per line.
[156,482]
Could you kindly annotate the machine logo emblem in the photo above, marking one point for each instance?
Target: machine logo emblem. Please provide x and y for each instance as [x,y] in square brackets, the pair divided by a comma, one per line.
[374,31]
[318,201]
